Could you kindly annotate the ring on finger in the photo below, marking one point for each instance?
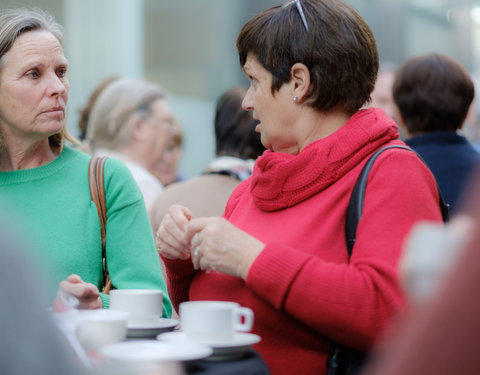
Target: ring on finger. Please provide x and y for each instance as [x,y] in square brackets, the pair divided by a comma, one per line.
[195,239]
[159,248]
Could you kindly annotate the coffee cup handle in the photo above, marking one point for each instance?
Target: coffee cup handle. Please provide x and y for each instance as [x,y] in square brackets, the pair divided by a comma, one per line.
[245,319]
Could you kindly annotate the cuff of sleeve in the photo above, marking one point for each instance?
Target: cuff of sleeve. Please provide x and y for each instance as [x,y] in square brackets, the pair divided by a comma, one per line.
[105,300]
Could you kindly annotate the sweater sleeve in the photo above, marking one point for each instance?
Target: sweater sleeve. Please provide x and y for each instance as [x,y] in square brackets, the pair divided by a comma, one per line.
[351,302]
[179,275]
[132,259]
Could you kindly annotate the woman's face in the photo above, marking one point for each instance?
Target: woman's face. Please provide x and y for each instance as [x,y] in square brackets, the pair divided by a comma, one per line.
[276,127]
[169,166]
[33,88]
[158,126]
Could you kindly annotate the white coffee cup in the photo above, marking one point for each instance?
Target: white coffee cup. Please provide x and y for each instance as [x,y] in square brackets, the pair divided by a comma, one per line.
[214,321]
[144,306]
[97,328]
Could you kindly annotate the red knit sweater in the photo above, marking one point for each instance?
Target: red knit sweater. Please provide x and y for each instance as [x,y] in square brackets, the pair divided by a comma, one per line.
[301,287]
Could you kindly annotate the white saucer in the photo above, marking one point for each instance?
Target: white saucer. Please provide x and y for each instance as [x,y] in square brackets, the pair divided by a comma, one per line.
[234,348]
[155,351]
[151,330]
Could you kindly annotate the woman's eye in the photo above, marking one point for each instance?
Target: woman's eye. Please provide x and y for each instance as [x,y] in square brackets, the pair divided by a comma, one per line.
[33,74]
[62,72]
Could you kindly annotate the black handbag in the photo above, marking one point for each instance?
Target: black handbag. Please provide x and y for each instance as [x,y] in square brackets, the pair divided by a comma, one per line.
[343,360]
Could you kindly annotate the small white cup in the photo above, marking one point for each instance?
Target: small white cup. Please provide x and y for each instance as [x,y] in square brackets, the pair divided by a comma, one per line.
[97,328]
[144,306]
[214,321]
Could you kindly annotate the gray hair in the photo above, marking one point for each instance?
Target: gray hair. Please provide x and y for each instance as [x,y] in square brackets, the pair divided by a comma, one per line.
[117,108]
[14,22]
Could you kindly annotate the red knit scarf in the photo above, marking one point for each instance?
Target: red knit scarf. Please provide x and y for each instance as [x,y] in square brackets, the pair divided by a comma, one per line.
[281,180]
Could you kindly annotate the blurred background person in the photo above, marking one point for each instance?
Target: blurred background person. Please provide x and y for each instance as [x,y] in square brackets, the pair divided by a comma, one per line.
[382,95]
[280,246]
[47,181]
[471,125]
[30,342]
[168,171]
[433,94]
[84,112]
[237,147]
[130,121]
[439,335]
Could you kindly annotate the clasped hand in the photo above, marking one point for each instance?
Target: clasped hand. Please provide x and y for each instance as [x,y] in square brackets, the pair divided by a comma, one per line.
[211,243]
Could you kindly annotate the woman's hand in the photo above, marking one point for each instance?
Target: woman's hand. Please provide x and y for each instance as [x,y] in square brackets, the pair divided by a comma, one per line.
[171,237]
[87,294]
[218,245]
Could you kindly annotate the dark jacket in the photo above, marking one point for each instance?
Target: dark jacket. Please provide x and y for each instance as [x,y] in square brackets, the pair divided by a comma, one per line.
[451,159]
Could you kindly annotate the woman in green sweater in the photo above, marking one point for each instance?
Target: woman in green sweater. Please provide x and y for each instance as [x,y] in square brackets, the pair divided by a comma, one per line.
[46,182]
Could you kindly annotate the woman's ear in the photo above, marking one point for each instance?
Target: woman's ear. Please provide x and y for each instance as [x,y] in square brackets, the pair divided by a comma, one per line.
[138,129]
[300,80]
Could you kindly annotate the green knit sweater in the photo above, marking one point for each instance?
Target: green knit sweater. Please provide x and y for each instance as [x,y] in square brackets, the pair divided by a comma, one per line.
[58,216]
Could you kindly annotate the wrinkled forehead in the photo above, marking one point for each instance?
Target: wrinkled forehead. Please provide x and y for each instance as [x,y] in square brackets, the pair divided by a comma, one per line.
[34,47]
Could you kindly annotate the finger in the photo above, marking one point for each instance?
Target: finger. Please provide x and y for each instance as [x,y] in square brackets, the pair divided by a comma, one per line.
[195,240]
[80,290]
[171,232]
[170,248]
[94,303]
[73,278]
[180,215]
[173,249]
[203,264]
[196,226]
[196,256]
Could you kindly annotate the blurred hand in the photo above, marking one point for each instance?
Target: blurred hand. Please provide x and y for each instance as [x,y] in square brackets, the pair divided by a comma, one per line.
[430,251]
[171,237]
[86,293]
[218,245]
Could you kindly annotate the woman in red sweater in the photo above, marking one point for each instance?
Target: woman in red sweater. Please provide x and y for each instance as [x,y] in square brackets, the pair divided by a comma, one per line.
[280,246]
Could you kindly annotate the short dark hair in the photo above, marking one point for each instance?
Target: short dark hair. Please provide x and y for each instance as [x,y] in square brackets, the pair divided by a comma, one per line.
[433,92]
[339,50]
[235,128]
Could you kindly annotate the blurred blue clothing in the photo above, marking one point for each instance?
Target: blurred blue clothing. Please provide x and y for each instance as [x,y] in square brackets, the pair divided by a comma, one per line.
[450,157]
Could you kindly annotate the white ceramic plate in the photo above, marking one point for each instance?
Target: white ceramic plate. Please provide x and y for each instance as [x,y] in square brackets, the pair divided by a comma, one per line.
[148,351]
[234,348]
[151,330]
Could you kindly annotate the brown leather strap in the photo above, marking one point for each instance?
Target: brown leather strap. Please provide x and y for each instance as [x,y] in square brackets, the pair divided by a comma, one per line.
[97,191]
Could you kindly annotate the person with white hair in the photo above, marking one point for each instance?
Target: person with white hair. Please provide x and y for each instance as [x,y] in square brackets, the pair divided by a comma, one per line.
[130,121]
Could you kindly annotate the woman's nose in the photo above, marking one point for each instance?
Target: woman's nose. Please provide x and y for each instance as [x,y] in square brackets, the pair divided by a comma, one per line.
[56,85]
[247,102]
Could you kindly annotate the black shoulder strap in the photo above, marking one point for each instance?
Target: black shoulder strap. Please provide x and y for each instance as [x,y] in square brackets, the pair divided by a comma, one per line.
[355,206]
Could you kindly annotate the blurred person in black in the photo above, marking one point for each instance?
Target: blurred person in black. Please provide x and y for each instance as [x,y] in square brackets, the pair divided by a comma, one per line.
[433,94]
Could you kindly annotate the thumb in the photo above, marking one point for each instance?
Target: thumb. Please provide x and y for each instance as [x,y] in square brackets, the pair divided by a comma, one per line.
[73,278]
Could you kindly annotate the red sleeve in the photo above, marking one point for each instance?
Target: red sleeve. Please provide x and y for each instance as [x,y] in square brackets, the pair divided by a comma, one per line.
[352,302]
[179,277]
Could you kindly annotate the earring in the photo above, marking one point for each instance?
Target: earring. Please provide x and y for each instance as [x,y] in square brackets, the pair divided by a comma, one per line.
[294,99]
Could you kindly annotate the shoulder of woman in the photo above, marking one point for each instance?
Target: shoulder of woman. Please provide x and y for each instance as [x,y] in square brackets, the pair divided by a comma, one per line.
[115,168]
[239,191]
[119,181]
[399,166]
